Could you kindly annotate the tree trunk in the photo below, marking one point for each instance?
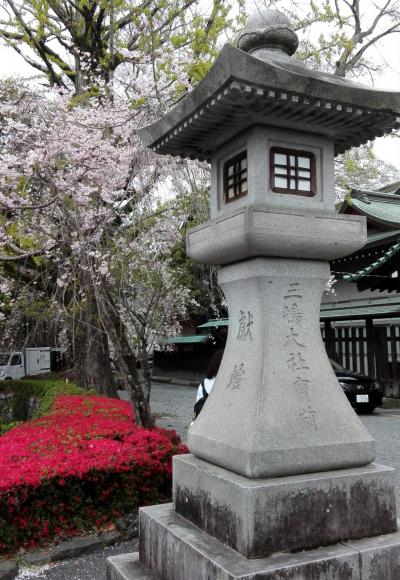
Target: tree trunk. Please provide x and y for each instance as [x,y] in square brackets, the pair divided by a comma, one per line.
[92,361]
[91,352]
[127,363]
[144,361]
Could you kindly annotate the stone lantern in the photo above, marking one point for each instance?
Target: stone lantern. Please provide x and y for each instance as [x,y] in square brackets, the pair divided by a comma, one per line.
[279,460]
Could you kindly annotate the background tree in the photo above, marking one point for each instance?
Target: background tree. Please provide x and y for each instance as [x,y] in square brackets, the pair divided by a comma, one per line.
[194,203]
[338,36]
[150,288]
[79,46]
[82,42]
[359,168]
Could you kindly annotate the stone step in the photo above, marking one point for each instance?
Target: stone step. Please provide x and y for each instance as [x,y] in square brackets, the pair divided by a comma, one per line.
[175,549]
[127,567]
[8,570]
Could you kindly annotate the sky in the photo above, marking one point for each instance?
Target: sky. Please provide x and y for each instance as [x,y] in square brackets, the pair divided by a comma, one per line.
[388,148]
[388,51]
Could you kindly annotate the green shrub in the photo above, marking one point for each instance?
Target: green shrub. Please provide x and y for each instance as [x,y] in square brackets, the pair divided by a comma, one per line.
[4,427]
[79,468]
[45,391]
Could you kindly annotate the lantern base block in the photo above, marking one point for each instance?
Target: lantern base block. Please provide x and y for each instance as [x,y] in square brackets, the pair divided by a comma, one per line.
[260,517]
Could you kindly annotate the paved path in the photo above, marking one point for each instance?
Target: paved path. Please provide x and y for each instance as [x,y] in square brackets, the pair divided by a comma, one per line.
[384,426]
[173,406]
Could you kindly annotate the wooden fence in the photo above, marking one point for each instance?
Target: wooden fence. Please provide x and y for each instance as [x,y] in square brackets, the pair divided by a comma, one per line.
[377,355]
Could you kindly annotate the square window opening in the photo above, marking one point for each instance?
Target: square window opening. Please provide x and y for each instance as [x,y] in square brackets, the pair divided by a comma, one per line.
[235,177]
[299,165]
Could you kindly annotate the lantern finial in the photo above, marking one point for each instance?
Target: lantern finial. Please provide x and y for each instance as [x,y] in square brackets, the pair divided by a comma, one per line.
[268,33]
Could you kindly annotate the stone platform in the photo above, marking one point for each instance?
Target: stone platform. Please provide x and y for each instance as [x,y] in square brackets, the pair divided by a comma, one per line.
[259,517]
[174,549]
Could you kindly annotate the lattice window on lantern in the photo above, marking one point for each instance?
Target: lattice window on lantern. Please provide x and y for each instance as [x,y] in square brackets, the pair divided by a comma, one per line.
[292,171]
[235,177]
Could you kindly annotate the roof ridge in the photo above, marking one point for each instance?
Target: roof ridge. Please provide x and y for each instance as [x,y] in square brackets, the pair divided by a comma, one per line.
[383,197]
[355,276]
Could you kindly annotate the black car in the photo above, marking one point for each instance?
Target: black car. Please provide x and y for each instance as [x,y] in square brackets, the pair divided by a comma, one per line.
[363,392]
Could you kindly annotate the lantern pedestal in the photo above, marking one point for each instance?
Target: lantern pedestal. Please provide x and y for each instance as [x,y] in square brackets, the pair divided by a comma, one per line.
[281,462]
[276,407]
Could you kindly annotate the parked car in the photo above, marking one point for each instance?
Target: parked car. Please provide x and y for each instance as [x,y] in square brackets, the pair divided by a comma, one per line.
[363,393]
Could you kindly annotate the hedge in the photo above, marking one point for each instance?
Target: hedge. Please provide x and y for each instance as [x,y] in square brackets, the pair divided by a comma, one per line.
[78,468]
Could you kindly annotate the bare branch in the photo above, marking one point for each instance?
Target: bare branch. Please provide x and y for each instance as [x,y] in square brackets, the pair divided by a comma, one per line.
[37,44]
[17,208]
[351,63]
[376,20]
[20,255]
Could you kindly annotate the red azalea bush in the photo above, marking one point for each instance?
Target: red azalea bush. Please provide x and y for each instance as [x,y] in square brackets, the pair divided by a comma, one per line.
[81,466]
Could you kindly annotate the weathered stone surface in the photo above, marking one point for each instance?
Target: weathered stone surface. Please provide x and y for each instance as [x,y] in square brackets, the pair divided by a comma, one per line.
[264,516]
[276,407]
[8,570]
[289,210]
[332,567]
[372,559]
[379,557]
[266,31]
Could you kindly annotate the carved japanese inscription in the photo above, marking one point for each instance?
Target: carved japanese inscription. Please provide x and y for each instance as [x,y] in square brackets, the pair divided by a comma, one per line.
[245,324]
[237,377]
[296,352]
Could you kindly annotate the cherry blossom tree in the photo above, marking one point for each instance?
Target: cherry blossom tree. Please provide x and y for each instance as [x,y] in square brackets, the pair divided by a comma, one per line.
[150,289]
[75,186]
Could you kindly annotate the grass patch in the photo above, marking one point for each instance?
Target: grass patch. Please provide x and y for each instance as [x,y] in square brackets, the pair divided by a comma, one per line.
[33,398]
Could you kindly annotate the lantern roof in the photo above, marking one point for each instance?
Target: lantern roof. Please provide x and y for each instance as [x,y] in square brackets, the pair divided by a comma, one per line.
[260,83]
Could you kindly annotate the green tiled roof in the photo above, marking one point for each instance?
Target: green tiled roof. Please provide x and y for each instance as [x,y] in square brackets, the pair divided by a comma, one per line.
[190,339]
[378,237]
[381,211]
[379,311]
[215,323]
[374,266]
[391,188]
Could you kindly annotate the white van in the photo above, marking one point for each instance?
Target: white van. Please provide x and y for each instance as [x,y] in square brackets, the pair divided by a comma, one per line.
[29,361]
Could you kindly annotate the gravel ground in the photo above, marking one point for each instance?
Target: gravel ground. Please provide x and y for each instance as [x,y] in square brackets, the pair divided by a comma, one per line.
[173,406]
[384,426]
[91,567]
